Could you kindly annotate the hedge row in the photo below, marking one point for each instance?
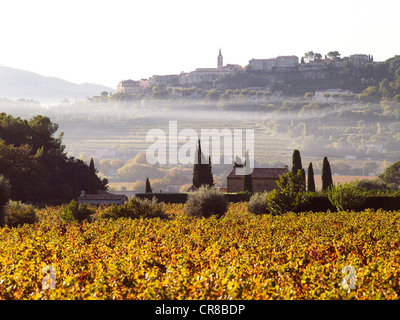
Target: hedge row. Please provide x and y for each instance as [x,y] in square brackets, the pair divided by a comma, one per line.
[320,203]
[315,202]
[182,197]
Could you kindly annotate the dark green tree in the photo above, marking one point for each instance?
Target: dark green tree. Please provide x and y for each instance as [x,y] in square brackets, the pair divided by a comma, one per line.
[326,175]
[5,194]
[196,166]
[296,161]
[34,161]
[208,179]
[202,171]
[247,183]
[391,175]
[310,178]
[297,165]
[334,55]
[289,194]
[309,56]
[149,189]
[317,56]
[92,186]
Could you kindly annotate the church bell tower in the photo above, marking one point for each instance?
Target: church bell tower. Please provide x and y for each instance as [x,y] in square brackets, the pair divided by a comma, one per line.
[220,60]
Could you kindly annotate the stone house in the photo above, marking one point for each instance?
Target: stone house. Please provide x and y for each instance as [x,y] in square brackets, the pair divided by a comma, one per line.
[263,179]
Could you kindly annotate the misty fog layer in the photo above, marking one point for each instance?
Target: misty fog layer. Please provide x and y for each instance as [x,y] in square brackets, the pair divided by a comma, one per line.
[360,139]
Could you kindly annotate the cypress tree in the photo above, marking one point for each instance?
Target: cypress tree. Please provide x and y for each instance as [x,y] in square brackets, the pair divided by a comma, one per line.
[296,161]
[209,179]
[92,185]
[310,178]
[247,182]
[149,189]
[202,171]
[196,166]
[296,164]
[326,175]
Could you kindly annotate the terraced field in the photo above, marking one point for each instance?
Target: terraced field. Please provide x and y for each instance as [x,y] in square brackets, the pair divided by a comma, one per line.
[128,137]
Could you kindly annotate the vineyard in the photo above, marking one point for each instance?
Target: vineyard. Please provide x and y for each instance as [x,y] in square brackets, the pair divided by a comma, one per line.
[239,256]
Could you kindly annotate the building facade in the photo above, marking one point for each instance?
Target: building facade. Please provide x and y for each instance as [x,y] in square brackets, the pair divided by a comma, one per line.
[281,62]
[262,64]
[359,60]
[129,86]
[164,81]
[287,61]
[263,179]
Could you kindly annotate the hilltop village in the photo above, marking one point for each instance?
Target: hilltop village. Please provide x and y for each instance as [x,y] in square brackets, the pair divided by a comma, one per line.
[283,74]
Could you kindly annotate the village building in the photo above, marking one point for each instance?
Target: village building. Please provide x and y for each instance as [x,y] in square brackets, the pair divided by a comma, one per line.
[263,179]
[209,74]
[359,60]
[208,78]
[144,84]
[281,62]
[262,64]
[287,61]
[102,197]
[129,87]
[164,81]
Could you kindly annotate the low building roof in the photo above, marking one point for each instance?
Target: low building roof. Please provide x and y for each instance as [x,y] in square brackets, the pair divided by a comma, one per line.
[103,195]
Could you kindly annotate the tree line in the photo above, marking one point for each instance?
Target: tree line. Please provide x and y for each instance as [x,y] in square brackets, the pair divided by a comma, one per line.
[33,160]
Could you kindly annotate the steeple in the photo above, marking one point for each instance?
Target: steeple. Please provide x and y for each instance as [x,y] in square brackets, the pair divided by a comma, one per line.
[220,60]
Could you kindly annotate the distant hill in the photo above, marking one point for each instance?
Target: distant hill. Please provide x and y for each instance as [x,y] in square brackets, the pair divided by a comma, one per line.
[19,84]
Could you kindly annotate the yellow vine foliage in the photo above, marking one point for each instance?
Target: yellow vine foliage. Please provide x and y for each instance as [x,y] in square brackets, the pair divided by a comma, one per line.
[239,256]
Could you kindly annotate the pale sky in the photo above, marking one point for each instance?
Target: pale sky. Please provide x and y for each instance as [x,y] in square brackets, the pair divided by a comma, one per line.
[105,41]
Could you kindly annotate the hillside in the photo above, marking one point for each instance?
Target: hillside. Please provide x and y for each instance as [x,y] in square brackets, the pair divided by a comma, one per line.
[16,84]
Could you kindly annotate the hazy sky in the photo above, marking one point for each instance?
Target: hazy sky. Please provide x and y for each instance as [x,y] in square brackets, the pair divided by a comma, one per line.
[105,41]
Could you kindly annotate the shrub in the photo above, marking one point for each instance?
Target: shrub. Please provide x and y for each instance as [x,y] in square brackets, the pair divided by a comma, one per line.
[18,213]
[75,211]
[5,194]
[237,197]
[316,202]
[164,197]
[136,208]
[206,202]
[375,185]
[182,197]
[290,193]
[346,196]
[258,203]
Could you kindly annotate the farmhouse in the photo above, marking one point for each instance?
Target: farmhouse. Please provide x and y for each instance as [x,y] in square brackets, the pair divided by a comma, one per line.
[102,197]
[263,179]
